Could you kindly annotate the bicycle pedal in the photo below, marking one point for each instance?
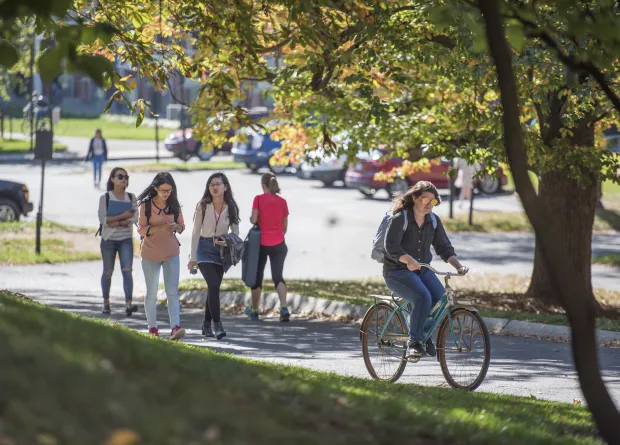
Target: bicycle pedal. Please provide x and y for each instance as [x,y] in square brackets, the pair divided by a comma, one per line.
[414,358]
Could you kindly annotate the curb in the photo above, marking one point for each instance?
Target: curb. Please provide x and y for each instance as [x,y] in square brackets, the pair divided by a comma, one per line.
[299,304]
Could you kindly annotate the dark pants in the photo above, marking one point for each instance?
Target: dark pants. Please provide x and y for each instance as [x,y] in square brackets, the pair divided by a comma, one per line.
[213,274]
[422,288]
[109,249]
[276,255]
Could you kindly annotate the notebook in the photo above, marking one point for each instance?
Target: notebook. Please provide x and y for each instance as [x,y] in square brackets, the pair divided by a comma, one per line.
[116,208]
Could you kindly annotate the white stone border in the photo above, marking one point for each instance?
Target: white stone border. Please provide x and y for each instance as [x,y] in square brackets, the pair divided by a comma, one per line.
[299,304]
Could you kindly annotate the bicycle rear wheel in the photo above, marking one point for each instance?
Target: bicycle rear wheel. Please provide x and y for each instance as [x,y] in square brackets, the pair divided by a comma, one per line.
[465,351]
[384,357]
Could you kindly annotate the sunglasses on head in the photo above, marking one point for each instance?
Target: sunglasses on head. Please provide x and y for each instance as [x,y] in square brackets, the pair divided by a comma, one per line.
[121,176]
[433,201]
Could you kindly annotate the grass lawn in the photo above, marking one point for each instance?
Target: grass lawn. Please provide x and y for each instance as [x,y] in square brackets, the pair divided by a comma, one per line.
[59,244]
[71,380]
[184,167]
[500,297]
[18,146]
[612,259]
[605,220]
[109,129]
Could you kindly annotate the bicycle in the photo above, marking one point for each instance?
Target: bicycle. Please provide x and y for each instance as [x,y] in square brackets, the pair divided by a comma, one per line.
[385,331]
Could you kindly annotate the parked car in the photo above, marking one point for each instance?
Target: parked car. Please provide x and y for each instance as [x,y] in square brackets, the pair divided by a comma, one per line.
[256,151]
[14,202]
[327,169]
[174,144]
[361,176]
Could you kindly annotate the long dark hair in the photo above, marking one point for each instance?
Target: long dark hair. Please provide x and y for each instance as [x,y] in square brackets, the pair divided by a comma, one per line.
[162,178]
[405,201]
[269,180]
[110,185]
[229,199]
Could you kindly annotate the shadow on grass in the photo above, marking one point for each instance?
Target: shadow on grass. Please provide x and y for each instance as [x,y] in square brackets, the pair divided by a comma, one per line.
[611,217]
[77,381]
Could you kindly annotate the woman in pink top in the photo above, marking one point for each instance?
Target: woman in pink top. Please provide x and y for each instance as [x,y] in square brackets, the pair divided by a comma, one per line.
[270,212]
[160,218]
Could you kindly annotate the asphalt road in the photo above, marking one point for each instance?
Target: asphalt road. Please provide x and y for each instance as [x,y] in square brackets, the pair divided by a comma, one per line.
[519,366]
[330,229]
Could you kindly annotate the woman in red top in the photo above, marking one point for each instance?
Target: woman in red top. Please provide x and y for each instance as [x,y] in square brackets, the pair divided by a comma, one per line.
[270,212]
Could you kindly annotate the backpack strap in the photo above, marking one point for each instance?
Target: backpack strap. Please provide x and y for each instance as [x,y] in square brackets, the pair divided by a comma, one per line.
[434,220]
[107,205]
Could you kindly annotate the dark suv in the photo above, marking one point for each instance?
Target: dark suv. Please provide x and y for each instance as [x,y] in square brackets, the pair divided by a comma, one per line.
[14,200]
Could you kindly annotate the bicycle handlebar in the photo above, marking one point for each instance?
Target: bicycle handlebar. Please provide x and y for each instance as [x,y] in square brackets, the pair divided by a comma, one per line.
[447,274]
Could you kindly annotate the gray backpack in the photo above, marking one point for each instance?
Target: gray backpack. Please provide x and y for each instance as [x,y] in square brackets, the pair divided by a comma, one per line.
[378,243]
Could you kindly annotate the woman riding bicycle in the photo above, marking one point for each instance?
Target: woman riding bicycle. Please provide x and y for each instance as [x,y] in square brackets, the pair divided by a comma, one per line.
[405,250]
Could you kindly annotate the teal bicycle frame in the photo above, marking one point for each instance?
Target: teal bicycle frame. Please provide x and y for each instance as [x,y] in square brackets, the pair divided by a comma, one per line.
[441,309]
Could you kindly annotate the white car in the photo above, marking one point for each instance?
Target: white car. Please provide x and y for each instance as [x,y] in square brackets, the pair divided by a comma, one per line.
[326,169]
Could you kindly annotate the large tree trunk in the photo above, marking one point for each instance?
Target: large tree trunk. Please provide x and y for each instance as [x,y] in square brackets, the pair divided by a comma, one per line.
[574,296]
[572,209]
[572,216]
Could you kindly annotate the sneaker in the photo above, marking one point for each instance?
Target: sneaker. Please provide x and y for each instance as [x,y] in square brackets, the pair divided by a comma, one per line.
[130,309]
[206,329]
[252,314]
[220,333]
[106,308]
[430,348]
[154,331]
[285,315]
[415,348]
[177,333]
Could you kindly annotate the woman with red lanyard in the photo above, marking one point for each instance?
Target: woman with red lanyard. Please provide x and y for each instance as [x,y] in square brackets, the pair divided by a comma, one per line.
[270,211]
[216,214]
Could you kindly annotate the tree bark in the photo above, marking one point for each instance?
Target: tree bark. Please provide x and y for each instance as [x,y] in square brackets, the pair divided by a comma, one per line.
[573,295]
[572,209]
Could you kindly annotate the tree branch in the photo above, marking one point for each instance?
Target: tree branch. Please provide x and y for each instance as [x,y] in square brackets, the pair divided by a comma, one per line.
[571,61]
[277,46]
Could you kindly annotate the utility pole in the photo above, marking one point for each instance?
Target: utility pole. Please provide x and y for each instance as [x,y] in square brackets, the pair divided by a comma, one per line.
[156,108]
[33,43]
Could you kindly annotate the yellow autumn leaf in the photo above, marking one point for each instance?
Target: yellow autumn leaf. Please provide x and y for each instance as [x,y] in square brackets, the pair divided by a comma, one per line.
[132,84]
[123,436]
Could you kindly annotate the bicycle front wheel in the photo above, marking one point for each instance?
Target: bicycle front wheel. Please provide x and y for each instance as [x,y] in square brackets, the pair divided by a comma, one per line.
[384,355]
[464,351]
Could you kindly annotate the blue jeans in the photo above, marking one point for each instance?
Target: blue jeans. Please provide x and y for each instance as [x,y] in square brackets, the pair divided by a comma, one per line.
[97,166]
[109,249]
[423,289]
[151,270]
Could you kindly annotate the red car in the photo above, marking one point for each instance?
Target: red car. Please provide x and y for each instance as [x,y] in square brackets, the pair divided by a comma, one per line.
[361,176]
[174,144]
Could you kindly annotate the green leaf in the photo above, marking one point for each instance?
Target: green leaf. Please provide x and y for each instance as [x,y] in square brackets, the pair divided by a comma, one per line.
[8,55]
[49,64]
[515,37]
[94,67]
[112,98]
[140,115]
[59,7]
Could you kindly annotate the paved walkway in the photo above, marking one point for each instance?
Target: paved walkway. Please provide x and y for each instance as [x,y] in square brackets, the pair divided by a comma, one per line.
[523,367]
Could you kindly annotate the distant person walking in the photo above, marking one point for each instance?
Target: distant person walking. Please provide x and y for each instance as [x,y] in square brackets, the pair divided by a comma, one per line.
[464,179]
[160,218]
[117,215]
[270,212]
[216,215]
[98,153]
